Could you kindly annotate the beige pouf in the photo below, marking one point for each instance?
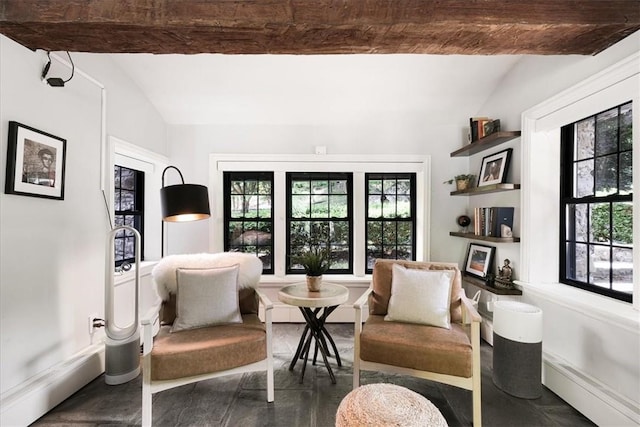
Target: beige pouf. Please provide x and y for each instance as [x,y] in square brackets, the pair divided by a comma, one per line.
[387,405]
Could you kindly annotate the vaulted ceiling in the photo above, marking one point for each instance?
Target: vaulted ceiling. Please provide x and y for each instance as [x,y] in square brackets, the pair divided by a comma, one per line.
[467,27]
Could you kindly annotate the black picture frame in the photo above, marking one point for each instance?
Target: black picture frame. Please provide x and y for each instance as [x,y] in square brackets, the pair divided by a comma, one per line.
[35,163]
[494,168]
[479,261]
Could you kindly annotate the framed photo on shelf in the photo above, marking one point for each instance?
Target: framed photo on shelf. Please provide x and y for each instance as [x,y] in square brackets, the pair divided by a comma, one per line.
[35,163]
[494,168]
[479,260]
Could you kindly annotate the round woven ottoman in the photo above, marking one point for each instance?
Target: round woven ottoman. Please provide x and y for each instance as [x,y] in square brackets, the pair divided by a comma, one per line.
[387,405]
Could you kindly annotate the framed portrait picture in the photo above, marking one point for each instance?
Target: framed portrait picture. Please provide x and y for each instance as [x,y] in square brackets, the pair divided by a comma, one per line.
[494,168]
[479,260]
[35,163]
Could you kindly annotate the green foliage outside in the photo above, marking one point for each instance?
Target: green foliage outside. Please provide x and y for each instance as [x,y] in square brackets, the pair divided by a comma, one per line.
[622,223]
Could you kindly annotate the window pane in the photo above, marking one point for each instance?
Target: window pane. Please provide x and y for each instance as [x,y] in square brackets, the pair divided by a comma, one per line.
[320,187]
[389,235]
[127,200]
[264,206]
[622,270]
[119,249]
[116,176]
[581,223]
[116,200]
[340,232]
[300,207]
[264,187]
[607,132]
[600,223]
[300,187]
[250,186]
[237,206]
[237,187]
[375,207]
[338,187]
[127,179]
[404,252]
[339,206]
[373,252]
[584,139]
[265,255]
[626,173]
[389,186]
[320,207]
[600,260]
[606,175]
[250,205]
[404,207]
[623,223]
[583,178]
[404,187]
[577,271]
[339,257]
[389,206]
[375,186]
[405,233]
[626,137]
[374,233]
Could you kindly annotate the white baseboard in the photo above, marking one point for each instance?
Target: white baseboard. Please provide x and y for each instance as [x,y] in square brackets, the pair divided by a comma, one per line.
[596,401]
[25,403]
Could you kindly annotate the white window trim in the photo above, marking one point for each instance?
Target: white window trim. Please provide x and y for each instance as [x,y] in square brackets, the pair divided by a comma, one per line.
[540,190]
[129,155]
[279,164]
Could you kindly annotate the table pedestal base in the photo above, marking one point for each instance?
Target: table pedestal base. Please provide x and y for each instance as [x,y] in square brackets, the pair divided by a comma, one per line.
[315,329]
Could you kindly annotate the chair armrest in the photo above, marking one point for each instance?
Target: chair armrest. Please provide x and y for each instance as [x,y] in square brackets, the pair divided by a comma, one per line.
[264,299]
[150,317]
[469,312]
[362,300]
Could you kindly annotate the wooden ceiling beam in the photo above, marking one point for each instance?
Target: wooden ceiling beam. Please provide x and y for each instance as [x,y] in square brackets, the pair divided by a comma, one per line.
[320,27]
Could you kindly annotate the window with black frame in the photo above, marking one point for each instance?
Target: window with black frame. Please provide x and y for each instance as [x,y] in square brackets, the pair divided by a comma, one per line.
[319,217]
[390,216]
[129,210]
[248,215]
[597,203]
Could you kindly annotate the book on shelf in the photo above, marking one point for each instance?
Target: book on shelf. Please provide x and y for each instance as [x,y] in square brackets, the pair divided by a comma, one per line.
[476,125]
[489,221]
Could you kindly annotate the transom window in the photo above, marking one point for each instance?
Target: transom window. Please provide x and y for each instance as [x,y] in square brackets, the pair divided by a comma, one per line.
[249,215]
[319,216]
[129,210]
[597,203]
[390,218]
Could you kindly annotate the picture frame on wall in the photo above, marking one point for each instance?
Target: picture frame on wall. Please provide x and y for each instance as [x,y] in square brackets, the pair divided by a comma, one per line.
[35,163]
[494,168]
[479,260]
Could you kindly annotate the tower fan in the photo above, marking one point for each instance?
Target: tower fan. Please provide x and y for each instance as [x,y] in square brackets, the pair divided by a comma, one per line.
[122,344]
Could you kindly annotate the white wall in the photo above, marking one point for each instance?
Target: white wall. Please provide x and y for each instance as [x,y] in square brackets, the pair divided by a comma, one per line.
[591,343]
[52,252]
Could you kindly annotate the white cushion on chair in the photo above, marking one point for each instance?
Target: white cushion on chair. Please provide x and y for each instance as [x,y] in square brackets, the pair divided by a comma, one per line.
[164,273]
[420,296]
[206,297]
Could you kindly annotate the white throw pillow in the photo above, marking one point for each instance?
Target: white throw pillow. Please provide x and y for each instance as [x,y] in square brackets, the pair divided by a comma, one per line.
[206,297]
[420,296]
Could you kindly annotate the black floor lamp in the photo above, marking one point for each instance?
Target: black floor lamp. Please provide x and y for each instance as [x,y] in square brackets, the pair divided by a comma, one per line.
[182,202]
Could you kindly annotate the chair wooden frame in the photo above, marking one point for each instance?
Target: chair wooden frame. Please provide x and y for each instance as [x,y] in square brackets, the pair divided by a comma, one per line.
[150,387]
[470,318]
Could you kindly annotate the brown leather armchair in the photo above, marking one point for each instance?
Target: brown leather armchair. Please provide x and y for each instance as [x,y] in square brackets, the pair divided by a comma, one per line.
[172,359]
[450,356]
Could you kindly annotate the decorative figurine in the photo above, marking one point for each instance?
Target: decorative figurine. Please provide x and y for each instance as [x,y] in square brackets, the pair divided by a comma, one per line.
[463,221]
[505,276]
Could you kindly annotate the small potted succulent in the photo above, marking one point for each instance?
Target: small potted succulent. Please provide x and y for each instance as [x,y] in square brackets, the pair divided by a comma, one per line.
[463,181]
[315,263]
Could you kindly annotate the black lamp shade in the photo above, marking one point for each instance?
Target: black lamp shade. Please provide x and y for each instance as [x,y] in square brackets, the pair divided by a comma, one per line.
[184,202]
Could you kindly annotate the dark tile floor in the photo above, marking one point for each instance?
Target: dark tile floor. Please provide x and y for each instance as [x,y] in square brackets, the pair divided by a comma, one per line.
[240,400]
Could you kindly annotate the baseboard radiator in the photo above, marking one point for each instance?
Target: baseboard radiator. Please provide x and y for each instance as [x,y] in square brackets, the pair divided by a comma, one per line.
[596,401]
[25,403]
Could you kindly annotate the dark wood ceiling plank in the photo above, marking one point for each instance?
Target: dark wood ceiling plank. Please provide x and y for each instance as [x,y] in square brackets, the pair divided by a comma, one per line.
[321,26]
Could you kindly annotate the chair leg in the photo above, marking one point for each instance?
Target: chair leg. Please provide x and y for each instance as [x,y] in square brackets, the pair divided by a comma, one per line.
[477,373]
[146,391]
[356,350]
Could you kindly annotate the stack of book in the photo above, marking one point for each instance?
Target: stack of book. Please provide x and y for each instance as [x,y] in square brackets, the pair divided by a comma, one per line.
[489,221]
[482,126]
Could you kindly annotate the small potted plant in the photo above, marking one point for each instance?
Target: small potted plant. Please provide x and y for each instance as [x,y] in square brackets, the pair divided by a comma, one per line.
[315,263]
[463,181]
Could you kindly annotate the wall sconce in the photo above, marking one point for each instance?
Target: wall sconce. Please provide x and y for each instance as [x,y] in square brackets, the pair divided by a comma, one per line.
[183,202]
